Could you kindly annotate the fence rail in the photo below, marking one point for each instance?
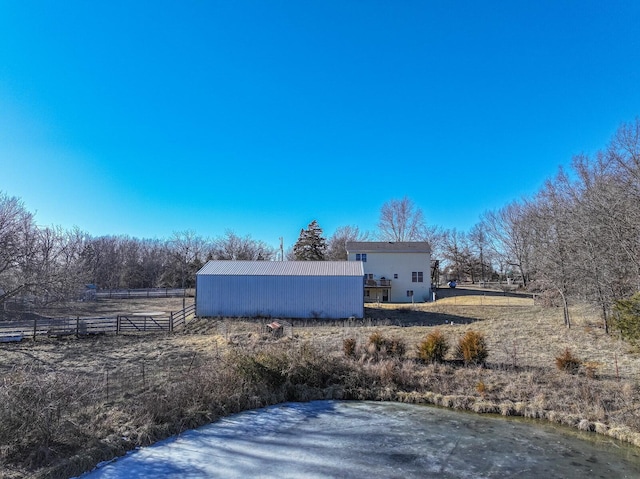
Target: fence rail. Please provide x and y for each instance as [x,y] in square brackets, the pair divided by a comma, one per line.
[57,327]
[182,317]
[144,293]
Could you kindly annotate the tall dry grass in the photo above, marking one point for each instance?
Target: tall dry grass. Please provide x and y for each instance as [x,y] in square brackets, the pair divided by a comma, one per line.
[61,413]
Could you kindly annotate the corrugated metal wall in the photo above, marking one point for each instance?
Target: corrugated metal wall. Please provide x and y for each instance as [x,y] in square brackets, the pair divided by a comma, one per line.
[331,297]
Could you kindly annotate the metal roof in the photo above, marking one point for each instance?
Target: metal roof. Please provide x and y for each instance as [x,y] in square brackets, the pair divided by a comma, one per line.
[282,268]
[388,247]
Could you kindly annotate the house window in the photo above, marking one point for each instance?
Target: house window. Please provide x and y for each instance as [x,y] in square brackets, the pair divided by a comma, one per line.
[367,293]
[395,275]
[368,275]
[361,257]
[417,277]
[409,293]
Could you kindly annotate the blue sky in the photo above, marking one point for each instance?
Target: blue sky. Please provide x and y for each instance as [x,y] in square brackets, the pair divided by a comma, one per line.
[148,118]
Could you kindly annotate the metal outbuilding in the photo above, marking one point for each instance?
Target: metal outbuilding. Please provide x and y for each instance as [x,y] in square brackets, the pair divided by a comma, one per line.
[284,289]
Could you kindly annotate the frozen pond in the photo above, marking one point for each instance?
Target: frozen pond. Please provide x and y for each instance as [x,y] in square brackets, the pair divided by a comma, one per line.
[369,439]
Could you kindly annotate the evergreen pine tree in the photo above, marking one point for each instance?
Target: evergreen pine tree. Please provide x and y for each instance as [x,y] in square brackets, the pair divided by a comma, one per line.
[311,245]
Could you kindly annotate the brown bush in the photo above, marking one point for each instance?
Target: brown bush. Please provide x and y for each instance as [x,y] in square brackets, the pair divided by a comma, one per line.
[377,340]
[380,347]
[349,347]
[433,348]
[472,348]
[568,362]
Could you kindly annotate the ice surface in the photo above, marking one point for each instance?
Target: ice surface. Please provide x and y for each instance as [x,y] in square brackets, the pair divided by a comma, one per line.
[365,440]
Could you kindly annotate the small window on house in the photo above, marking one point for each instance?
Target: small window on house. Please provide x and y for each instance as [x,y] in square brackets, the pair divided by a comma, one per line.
[417,277]
[409,293]
[364,257]
[368,275]
[357,256]
[395,275]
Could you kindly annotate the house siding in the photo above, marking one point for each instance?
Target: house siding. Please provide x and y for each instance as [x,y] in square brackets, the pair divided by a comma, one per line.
[386,259]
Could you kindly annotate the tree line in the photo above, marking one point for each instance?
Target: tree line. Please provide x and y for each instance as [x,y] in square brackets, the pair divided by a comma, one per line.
[51,264]
[577,238]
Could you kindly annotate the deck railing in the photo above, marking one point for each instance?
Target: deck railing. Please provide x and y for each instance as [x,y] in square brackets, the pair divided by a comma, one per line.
[377,283]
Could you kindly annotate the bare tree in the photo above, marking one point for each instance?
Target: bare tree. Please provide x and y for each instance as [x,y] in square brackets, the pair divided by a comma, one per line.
[511,236]
[401,220]
[580,235]
[153,260]
[479,243]
[624,152]
[234,247]
[607,256]
[16,227]
[187,252]
[102,261]
[337,244]
[59,273]
[15,223]
[455,253]
[552,217]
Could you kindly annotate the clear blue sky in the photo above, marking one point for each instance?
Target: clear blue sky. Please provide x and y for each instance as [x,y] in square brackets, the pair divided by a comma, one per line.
[147,118]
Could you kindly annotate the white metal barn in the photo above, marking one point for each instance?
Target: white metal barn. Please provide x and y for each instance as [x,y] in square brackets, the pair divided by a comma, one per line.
[281,289]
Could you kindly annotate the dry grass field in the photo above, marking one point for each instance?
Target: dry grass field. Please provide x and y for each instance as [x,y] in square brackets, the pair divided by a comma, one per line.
[137,388]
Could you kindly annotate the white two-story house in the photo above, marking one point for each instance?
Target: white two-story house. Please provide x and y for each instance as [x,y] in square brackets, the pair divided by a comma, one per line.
[397,272]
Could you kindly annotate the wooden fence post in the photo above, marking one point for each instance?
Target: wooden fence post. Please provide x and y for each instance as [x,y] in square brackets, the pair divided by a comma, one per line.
[35,327]
[77,326]
[171,322]
[117,324]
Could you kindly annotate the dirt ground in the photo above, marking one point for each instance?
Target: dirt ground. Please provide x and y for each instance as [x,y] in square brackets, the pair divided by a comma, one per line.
[108,307]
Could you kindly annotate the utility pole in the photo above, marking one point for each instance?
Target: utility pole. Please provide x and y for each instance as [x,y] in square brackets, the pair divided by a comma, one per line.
[281,249]
[482,265]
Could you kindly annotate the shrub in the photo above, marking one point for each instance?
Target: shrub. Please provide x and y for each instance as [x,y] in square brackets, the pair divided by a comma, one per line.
[481,388]
[568,362]
[396,348]
[626,318]
[377,340]
[433,347]
[472,348]
[379,346]
[309,367]
[349,347]
[35,408]
[261,368]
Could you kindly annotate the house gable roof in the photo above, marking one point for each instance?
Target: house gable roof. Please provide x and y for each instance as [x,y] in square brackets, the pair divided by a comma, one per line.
[388,247]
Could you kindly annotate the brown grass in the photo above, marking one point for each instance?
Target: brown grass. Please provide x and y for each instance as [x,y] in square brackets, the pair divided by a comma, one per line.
[67,404]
